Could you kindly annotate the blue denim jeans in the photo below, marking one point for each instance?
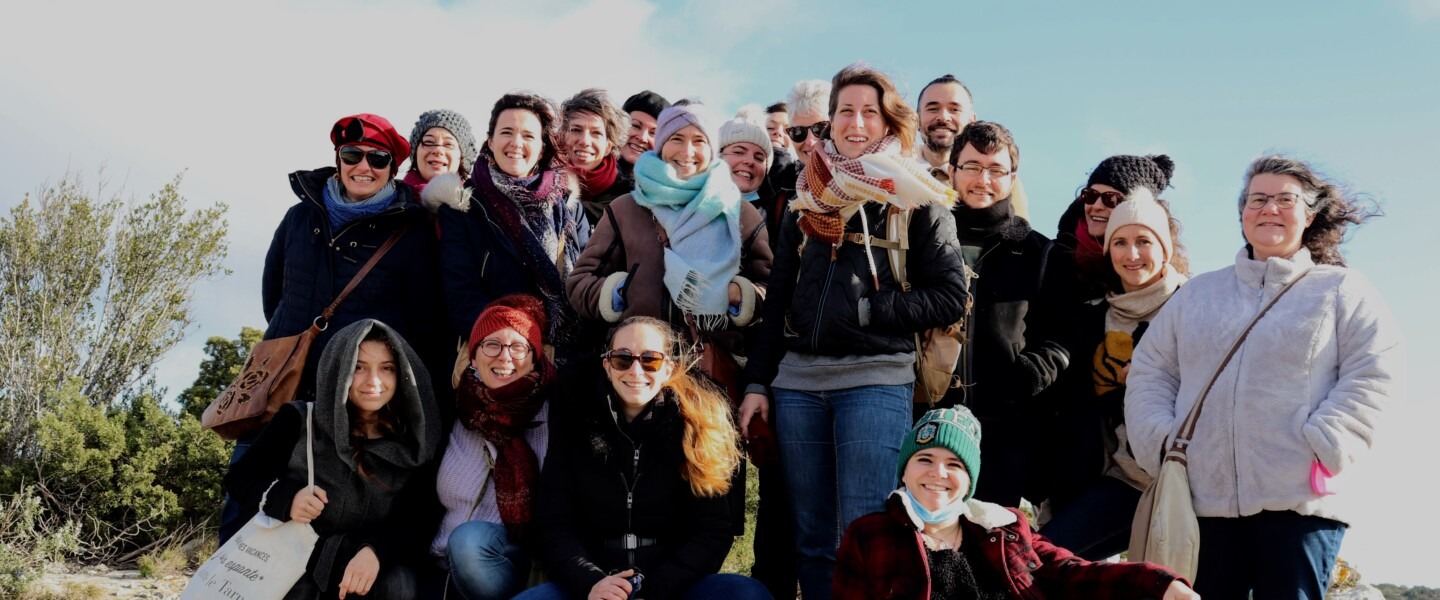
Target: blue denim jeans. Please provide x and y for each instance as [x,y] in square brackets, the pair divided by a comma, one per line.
[839,450]
[1096,525]
[1275,554]
[484,565]
[726,586]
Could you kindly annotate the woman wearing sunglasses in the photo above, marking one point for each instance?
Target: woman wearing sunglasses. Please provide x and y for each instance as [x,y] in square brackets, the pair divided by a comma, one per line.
[1082,226]
[836,346]
[683,247]
[521,230]
[344,214]
[1148,265]
[497,447]
[634,504]
[1299,402]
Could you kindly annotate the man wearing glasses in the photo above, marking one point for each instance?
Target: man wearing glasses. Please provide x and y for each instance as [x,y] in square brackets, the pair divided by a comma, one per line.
[1012,332]
[945,108]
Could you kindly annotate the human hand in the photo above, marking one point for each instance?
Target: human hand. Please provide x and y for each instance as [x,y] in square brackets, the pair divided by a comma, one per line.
[752,404]
[360,573]
[734,290]
[307,504]
[1179,591]
[614,587]
[1124,374]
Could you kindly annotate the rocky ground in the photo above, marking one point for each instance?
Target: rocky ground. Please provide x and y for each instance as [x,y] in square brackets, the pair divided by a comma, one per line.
[74,583]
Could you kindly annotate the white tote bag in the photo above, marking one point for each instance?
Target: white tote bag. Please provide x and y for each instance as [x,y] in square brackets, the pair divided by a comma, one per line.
[265,558]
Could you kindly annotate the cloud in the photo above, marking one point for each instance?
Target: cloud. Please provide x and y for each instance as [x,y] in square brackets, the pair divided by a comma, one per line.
[1425,11]
[240,94]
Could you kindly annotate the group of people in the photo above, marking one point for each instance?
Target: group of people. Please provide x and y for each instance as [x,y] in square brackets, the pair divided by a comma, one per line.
[584,323]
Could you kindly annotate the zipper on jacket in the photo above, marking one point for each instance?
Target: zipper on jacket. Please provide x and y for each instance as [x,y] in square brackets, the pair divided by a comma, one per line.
[629,483]
[820,306]
[967,367]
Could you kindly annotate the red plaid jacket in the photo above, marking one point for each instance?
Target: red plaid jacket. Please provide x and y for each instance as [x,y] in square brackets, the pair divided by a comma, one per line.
[883,556]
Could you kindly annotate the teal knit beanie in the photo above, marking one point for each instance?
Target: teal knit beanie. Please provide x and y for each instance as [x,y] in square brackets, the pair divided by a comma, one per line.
[954,429]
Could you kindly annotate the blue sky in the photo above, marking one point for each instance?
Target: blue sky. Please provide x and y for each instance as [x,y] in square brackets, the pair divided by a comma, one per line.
[242,93]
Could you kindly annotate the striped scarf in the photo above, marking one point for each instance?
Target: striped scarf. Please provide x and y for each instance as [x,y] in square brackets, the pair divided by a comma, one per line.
[832,182]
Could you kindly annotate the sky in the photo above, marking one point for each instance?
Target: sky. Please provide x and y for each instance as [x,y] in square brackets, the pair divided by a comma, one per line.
[237,95]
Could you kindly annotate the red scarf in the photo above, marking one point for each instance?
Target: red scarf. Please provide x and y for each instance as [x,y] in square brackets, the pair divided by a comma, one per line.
[599,179]
[503,415]
[416,182]
[1089,254]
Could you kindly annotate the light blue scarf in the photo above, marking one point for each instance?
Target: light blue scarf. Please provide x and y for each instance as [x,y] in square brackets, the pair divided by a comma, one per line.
[946,514]
[343,211]
[701,216]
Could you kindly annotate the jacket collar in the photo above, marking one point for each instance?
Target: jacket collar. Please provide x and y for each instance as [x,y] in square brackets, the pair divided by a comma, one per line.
[1273,273]
[984,514]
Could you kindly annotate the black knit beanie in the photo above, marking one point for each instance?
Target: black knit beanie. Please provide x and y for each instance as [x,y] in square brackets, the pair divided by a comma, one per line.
[448,120]
[1125,172]
[647,102]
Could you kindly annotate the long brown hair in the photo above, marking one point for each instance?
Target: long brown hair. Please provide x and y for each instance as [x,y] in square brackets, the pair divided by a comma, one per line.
[384,419]
[710,441]
[899,117]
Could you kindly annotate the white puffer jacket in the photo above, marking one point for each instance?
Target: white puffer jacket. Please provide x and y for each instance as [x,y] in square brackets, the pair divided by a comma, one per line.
[1311,380]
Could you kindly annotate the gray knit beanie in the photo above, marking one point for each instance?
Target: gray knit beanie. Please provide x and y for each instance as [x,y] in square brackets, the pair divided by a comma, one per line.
[451,121]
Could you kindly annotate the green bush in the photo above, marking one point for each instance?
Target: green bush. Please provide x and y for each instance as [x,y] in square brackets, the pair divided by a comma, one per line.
[28,541]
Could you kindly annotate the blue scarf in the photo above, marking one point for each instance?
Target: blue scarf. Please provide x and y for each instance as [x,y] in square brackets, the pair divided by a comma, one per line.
[946,514]
[343,212]
[701,216]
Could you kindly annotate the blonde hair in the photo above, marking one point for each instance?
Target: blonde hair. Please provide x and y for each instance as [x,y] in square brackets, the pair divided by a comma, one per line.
[710,441]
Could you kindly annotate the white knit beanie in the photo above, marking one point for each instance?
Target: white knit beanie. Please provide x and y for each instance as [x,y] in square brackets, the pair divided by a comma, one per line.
[1140,208]
[745,127]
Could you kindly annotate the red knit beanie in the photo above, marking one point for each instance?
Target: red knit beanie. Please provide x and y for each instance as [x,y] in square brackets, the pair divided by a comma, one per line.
[523,313]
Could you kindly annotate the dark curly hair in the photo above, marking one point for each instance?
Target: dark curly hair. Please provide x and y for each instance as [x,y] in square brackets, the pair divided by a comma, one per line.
[1335,207]
[543,109]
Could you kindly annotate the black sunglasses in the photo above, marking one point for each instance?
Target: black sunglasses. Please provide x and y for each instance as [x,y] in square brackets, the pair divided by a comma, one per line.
[378,159]
[1109,199]
[621,360]
[798,133]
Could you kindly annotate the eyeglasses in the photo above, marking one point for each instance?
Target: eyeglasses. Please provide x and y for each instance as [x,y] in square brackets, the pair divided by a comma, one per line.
[973,169]
[378,159]
[1283,200]
[1110,199]
[492,348]
[798,133]
[620,360]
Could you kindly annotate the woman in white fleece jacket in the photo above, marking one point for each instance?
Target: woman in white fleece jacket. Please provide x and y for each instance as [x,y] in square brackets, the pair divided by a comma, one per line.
[1303,393]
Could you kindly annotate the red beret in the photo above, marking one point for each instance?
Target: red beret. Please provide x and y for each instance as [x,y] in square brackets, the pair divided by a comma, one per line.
[372,130]
[525,314]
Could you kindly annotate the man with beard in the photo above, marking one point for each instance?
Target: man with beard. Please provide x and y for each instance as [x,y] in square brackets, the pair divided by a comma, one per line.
[945,108]
[1012,347]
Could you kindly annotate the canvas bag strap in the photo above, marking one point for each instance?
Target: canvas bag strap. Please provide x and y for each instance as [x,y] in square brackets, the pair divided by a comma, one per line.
[364,270]
[310,446]
[1187,428]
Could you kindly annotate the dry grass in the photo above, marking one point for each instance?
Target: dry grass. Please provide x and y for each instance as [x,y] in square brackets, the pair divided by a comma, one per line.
[68,591]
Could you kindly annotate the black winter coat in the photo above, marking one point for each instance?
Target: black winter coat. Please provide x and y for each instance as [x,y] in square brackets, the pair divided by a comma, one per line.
[308,265]
[1014,349]
[813,301]
[603,483]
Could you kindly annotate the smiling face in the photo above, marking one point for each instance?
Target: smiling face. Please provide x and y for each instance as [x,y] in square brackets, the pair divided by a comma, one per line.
[1137,256]
[1097,215]
[945,109]
[812,141]
[517,142]
[585,142]
[857,121]
[634,386]
[747,165]
[936,478]
[973,176]
[1273,231]
[439,153]
[775,124]
[360,180]
[373,384]
[497,371]
[688,150]
[641,137]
